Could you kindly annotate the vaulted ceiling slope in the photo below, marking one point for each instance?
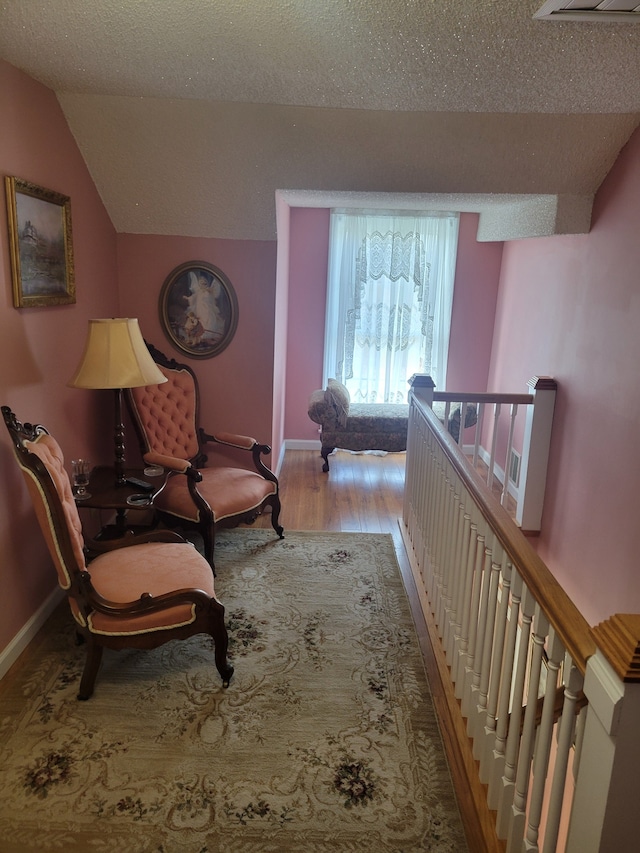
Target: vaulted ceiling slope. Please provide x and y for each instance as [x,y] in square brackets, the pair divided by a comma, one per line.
[192,114]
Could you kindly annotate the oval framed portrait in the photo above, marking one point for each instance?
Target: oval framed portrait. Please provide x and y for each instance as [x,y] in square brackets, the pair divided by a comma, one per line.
[198,309]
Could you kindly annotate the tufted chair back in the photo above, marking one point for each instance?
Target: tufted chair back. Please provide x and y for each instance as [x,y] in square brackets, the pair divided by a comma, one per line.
[167,414]
[48,451]
[42,464]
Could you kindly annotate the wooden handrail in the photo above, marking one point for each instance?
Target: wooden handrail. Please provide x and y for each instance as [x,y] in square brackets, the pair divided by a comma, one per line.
[481,397]
[564,616]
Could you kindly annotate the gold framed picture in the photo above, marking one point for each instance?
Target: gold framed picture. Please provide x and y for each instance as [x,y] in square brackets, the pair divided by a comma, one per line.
[198,309]
[41,245]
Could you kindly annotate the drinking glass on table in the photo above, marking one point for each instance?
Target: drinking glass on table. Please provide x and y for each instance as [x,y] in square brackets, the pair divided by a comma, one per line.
[81,470]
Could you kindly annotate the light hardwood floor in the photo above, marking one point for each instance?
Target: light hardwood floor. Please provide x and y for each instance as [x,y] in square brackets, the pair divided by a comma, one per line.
[364,493]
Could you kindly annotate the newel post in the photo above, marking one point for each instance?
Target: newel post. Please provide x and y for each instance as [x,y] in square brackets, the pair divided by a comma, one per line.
[421,389]
[422,385]
[605,817]
[535,453]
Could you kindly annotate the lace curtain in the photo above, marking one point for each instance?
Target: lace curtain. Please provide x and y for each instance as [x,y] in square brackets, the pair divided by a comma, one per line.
[389,298]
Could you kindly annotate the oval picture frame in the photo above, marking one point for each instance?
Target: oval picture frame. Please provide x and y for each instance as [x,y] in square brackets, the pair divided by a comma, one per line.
[198,309]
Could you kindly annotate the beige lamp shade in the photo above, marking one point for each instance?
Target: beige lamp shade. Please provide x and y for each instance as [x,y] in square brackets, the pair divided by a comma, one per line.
[116,356]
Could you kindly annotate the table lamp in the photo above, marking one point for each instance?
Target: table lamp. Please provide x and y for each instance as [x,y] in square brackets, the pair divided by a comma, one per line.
[116,357]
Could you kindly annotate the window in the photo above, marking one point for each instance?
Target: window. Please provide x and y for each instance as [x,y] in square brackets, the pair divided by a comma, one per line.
[389,298]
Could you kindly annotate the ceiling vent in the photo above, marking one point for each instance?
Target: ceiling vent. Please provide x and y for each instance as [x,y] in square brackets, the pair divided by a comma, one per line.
[606,12]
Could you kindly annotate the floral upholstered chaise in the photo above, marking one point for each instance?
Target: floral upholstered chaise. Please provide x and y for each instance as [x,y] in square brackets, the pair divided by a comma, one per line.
[366,426]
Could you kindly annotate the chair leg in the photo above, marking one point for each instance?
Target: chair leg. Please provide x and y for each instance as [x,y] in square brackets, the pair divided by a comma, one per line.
[275,515]
[220,643]
[91,667]
[208,536]
[325,455]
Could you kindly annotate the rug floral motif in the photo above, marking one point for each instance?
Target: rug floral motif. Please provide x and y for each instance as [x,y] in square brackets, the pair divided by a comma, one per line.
[325,740]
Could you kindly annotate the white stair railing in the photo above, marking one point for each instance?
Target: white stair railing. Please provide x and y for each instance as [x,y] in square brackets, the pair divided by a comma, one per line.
[504,420]
[516,651]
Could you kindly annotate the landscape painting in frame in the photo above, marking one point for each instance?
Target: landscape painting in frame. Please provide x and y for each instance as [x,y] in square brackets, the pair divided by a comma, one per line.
[41,245]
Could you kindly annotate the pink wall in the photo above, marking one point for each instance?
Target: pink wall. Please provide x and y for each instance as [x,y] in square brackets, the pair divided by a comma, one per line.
[570,307]
[309,242]
[236,385]
[41,347]
[474,306]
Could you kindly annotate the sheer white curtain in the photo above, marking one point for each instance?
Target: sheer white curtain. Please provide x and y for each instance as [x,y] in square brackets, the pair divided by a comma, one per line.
[389,298]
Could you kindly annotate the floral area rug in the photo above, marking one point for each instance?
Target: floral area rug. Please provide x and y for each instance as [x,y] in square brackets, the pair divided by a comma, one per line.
[325,740]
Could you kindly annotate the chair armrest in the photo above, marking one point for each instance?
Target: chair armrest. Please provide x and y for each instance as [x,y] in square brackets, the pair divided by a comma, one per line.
[243,442]
[177,466]
[173,463]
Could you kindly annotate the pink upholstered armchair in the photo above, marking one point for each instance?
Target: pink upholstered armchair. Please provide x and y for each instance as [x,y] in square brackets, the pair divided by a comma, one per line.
[157,588]
[166,419]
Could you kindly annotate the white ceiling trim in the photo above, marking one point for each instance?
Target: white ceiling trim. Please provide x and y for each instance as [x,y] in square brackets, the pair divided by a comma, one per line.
[608,11]
[502,216]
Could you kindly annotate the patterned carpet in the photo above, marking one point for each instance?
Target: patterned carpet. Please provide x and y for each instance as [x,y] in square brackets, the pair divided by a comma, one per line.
[326,739]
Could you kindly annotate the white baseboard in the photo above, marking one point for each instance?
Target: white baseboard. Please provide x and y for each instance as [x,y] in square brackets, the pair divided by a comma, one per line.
[302,444]
[19,643]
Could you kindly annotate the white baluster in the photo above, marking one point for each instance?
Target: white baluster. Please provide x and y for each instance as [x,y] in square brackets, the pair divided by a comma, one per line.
[497,653]
[461,525]
[494,441]
[463,420]
[573,688]
[506,687]
[507,464]
[512,751]
[464,602]
[483,609]
[555,654]
[449,568]
[433,523]
[474,616]
[443,555]
[478,435]
[517,823]
[447,556]
[487,651]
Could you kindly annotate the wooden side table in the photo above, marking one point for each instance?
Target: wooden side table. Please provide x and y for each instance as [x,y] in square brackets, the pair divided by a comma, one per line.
[107,495]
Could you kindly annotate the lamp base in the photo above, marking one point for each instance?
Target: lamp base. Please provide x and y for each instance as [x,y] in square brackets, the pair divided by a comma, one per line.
[119,440]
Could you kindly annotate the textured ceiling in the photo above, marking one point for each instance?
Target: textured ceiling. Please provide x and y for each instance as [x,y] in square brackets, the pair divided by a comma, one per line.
[192,114]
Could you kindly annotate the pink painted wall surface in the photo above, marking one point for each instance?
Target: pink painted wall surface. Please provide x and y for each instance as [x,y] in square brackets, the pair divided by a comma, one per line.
[309,242]
[570,307]
[236,386]
[475,295]
[41,347]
